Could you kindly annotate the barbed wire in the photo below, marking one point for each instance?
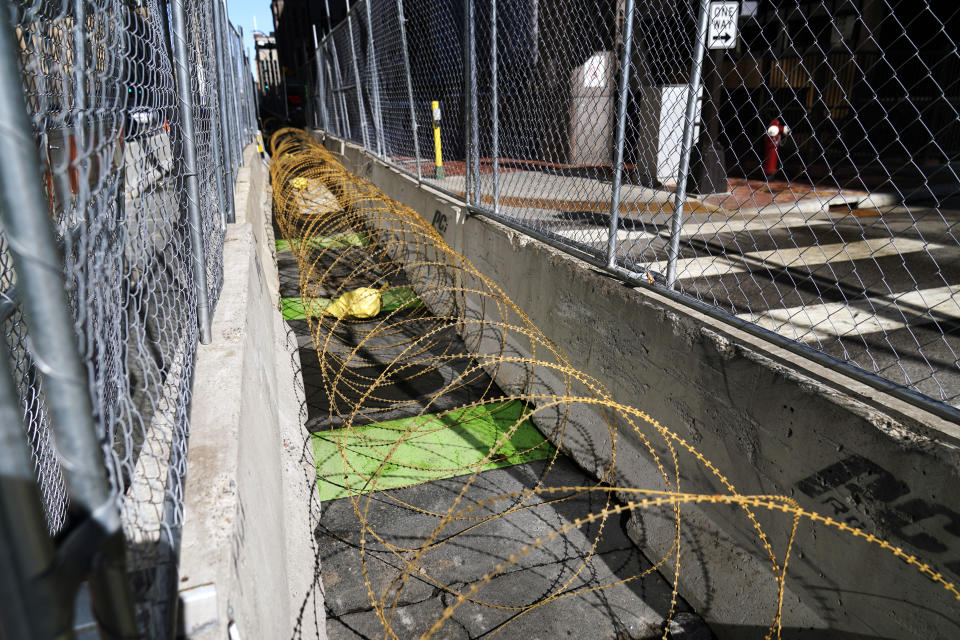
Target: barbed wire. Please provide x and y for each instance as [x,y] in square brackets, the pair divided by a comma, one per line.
[363,350]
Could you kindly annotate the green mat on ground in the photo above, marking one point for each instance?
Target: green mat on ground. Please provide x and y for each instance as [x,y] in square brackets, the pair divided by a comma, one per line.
[300,308]
[438,446]
[390,300]
[399,298]
[340,241]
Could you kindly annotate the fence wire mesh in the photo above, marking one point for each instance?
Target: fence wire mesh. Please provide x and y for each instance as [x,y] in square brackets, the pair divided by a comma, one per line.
[791,163]
[100,87]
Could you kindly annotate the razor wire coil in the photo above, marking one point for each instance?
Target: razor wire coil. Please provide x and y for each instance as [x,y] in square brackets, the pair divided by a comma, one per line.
[315,200]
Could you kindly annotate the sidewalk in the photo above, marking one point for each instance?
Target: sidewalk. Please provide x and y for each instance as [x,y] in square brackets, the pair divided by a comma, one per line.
[538,190]
[778,196]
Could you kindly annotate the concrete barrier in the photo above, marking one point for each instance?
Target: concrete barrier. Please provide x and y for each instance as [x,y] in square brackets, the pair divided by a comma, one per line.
[772,422]
[247,558]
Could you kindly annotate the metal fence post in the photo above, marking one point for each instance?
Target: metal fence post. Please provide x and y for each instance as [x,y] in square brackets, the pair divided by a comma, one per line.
[238,39]
[228,108]
[621,130]
[316,77]
[406,69]
[495,124]
[226,70]
[252,114]
[375,81]
[683,172]
[321,85]
[26,221]
[344,119]
[30,604]
[337,125]
[331,83]
[220,130]
[323,42]
[238,90]
[468,68]
[253,104]
[79,69]
[474,123]
[189,153]
[219,169]
[357,86]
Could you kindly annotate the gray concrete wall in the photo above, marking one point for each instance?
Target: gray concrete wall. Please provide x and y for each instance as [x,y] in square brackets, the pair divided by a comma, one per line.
[247,557]
[771,422]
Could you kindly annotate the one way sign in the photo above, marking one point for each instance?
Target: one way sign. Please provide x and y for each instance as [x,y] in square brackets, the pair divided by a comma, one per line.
[722,25]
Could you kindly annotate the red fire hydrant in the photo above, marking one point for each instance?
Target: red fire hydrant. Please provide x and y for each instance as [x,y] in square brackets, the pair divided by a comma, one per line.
[771,145]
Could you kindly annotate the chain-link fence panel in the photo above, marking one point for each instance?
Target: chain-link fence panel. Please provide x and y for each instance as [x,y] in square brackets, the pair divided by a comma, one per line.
[240,100]
[338,94]
[435,38]
[244,102]
[555,79]
[791,164]
[390,88]
[208,127]
[331,108]
[365,70]
[818,191]
[348,84]
[103,107]
[30,396]
[100,86]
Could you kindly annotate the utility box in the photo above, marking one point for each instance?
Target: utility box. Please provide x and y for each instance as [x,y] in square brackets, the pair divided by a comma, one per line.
[660,123]
[590,129]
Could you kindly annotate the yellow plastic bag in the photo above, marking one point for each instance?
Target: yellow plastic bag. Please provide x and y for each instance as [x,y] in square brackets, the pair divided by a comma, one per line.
[358,304]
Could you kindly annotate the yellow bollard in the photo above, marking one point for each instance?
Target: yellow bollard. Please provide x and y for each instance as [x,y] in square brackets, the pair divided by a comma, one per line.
[438,172]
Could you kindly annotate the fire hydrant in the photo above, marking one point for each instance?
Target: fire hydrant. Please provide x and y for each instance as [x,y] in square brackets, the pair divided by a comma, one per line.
[776,132]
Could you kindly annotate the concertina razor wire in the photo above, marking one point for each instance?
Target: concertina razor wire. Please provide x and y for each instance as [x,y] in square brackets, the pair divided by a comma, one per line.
[361,251]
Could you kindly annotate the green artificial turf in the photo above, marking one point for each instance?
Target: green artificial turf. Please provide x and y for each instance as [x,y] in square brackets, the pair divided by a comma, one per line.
[339,241]
[448,444]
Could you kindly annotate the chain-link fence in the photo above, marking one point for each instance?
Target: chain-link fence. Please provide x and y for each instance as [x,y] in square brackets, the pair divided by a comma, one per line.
[787,165]
[136,116]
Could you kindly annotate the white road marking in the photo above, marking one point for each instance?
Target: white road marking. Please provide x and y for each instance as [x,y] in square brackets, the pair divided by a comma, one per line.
[840,252]
[702,229]
[822,321]
[839,319]
[706,267]
[812,322]
[751,224]
[942,301]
